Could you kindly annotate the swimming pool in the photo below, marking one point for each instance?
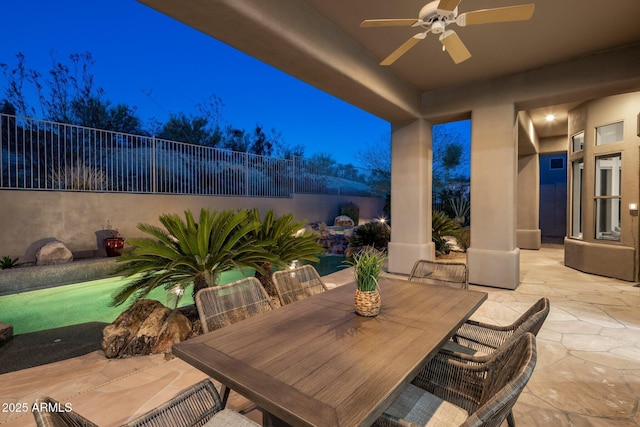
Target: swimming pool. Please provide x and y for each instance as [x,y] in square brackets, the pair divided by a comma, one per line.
[89,301]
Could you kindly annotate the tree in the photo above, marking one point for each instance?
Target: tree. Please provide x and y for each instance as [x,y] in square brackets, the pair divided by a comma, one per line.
[377,158]
[448,155]
[68,95]
[190,252]
[193,130]
[235,139]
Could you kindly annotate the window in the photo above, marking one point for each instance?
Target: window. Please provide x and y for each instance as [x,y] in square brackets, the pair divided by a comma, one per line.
[577,142]
[607,197]
[576,198]
[556,163]
[610,133]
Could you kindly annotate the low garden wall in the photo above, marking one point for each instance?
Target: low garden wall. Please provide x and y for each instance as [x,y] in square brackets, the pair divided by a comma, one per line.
[31,218]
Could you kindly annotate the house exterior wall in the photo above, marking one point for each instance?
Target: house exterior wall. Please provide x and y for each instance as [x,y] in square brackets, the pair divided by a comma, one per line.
[610,258]
[34,217]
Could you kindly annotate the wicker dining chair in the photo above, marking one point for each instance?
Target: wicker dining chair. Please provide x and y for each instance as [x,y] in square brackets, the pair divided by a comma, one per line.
[466,391]
[219,306]
[297,283]
[477,338]
[223,305]
[440,273]
[195,406]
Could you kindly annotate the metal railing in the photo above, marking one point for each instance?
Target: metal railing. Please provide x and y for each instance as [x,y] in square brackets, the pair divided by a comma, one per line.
[43,155]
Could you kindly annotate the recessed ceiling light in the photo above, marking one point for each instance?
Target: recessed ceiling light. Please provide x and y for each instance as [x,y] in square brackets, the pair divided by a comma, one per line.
[550,117]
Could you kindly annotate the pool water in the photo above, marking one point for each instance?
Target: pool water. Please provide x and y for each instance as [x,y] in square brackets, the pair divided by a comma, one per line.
[89,301]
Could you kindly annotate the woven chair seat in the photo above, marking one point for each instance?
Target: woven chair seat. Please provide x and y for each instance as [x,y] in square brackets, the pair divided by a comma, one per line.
[432,272]
[422,408]
[228,418]
[297,283]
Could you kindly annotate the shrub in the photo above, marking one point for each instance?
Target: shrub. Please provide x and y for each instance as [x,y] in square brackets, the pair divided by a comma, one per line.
[442,226]
[351,210]
[376,234]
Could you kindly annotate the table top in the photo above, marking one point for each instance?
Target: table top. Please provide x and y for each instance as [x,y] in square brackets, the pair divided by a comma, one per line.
[317,363]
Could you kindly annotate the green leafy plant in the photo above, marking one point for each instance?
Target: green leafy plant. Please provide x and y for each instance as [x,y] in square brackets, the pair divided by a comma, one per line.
[8,262]
[459,209]
[367,263]
[442,226]
[351,210]
[376,234]
[190,252]
[286,243]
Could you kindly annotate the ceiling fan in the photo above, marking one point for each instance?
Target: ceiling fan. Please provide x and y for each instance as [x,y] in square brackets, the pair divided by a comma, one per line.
[434,18]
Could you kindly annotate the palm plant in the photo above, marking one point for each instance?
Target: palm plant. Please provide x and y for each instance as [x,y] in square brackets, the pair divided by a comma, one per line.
[187,252]
[285,243]
[441,226]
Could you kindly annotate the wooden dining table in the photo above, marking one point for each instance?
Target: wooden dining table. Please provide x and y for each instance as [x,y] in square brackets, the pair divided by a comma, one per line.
[316,362]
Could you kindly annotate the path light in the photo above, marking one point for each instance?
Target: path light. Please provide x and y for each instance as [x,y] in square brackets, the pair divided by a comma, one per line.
[174,295]
[382,219]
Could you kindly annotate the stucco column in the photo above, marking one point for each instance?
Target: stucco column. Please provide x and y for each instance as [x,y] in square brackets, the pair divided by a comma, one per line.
[528,233]
[411,158]
[493,258]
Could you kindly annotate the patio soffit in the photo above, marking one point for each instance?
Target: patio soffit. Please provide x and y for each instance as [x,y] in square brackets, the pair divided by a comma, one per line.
[320,42]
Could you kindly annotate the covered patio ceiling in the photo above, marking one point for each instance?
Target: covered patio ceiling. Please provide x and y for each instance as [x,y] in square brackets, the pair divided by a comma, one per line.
[320,42]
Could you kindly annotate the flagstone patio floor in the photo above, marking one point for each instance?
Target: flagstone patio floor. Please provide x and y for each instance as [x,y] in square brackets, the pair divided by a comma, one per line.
[588,370]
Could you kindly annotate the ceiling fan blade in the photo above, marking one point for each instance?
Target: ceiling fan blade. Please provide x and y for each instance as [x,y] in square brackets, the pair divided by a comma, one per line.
[448,5]
[372,23]
[454,46]
[500,14]
[404,47]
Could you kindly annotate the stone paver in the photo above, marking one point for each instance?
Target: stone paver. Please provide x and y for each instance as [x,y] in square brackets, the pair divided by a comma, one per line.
[588,371]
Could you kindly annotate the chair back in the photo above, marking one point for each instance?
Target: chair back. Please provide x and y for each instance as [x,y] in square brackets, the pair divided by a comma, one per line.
[532,319]
[193,407]
[223,305]
[297,283]
[506,373]
[453,274]
[48,416]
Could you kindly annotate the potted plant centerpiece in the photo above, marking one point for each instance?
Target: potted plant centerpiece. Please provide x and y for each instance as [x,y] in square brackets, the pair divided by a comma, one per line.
[114,243]
[367,264]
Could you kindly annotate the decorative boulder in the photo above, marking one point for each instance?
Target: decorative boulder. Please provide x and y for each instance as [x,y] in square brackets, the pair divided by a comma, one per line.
[53,253]
[343,221]
[147,327]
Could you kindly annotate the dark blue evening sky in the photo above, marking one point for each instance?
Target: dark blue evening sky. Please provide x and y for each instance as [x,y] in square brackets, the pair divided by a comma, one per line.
[138,51]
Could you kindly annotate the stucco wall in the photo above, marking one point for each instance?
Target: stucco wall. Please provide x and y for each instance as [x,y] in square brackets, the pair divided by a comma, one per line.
[617,259]
[32,217]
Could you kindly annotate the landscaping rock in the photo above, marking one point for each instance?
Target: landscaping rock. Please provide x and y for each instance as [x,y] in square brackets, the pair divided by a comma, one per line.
[53,253]
[343,221]
[147,327]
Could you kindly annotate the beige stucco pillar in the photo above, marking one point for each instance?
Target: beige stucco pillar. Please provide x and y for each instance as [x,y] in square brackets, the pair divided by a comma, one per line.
[411,157]
[528,233]
[493,258]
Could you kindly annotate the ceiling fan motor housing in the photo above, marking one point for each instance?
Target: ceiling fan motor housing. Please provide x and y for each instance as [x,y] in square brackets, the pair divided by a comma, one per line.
[430,13]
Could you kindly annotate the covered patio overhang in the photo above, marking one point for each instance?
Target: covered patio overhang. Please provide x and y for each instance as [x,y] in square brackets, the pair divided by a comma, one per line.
[565,55]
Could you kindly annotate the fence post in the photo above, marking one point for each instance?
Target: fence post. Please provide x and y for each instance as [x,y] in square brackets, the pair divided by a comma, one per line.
[246,171]
[154,165]
[293,174]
